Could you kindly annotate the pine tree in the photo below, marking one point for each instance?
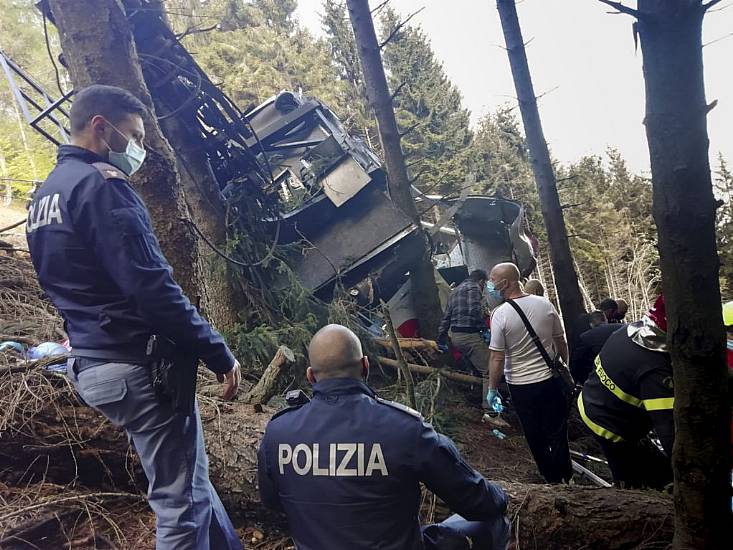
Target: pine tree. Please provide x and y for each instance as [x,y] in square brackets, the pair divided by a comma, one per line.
[260,49]
[724,223]
[356,116]
[429,108]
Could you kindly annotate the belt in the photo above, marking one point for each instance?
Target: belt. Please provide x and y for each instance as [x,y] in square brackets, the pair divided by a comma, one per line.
[468,330]
[84,359]
[122,355]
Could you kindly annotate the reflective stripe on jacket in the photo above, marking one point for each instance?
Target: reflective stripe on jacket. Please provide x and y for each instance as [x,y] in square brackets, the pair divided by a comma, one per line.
[629,392]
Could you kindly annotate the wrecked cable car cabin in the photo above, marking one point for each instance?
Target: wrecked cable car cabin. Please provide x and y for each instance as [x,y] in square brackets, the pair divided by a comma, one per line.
[326,190]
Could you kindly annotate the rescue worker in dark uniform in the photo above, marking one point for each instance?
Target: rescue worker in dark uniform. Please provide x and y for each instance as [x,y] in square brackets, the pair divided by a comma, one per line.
[346,467]
[591,343]
[629,393]
[99,262]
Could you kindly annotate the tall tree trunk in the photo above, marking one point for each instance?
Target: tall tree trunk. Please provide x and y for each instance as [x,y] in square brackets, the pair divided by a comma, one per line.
[99,49]
[670,32]
[222,300]
[569,296]
[424,290]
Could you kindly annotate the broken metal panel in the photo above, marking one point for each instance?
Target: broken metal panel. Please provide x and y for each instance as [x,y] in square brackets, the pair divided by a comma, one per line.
[487,237]
[344,181]
[350,238]
[401,307]
[524,252]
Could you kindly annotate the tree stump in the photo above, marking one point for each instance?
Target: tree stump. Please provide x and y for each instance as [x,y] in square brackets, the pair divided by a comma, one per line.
[266,387]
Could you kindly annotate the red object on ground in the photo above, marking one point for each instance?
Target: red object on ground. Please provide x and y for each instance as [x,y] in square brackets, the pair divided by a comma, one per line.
[409,329]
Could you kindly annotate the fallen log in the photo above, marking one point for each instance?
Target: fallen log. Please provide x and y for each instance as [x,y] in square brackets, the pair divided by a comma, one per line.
[419,344]
[266,387]
[422,369]
[555,517]
[545,516]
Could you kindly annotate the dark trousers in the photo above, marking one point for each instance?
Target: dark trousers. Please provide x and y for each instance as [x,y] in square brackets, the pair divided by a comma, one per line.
[457,533]
[636,464]
[543,412]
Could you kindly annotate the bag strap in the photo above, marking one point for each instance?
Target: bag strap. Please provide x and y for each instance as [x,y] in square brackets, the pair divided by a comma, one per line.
[532,334]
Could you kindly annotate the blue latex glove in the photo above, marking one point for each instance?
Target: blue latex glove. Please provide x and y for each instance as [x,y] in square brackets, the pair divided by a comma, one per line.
[494,400]
[486,335]
[443,348]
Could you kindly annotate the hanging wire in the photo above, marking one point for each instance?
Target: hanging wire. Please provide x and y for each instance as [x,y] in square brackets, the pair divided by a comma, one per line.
[50,54]
[270,253]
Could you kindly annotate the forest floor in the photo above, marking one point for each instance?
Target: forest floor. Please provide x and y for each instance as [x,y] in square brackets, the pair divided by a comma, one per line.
[68,479]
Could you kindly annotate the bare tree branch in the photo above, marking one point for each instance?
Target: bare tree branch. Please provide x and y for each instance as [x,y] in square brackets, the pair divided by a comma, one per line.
[411,129]
[721,8]
[408,165]
[417,177]
[621,8]
[376,10]
[196,30]
[399,27]
[718,39]
[543,94]
[706,7]
[397,91]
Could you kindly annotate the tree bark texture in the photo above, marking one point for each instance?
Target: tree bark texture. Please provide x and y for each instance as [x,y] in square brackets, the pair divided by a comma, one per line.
[558,517]
[99,48]
[222,299]
[670,33]
[566,279]
[424,290]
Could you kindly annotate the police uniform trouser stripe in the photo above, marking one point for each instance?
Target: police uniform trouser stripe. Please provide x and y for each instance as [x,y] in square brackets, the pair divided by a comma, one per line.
[595,428]
[659,404]
[611,386]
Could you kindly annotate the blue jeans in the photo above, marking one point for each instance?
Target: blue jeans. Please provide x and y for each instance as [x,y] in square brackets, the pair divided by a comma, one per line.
[456,533]
[188,511]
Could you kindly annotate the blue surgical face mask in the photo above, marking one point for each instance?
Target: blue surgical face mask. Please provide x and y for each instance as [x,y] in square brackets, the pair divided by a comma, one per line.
[493,292]
[131,159]
[730,345]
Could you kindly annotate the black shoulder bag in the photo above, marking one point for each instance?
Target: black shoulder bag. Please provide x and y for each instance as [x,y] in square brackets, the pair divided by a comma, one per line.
[557,365]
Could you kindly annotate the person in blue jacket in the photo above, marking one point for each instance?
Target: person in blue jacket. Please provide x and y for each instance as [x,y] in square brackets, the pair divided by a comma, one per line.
[97,259]
[346,467]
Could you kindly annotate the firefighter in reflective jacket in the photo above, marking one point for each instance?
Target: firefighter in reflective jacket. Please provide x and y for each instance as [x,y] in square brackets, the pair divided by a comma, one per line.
[629,393]
[346,467]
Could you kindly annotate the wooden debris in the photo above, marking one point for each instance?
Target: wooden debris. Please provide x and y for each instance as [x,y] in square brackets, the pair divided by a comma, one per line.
[422,369]
[266,387]
[419,344]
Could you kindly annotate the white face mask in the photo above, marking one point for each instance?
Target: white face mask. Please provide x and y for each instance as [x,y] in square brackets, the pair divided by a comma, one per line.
[131,159]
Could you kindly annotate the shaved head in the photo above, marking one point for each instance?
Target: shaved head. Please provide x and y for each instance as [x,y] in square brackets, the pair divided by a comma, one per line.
[335,352]
[505,271]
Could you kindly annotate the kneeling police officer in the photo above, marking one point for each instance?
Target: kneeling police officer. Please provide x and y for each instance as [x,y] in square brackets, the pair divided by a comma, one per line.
[99,262]
[346,467]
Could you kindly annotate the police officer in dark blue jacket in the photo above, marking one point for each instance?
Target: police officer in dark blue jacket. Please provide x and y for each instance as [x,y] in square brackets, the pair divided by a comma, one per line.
[346,467]
[99,262]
